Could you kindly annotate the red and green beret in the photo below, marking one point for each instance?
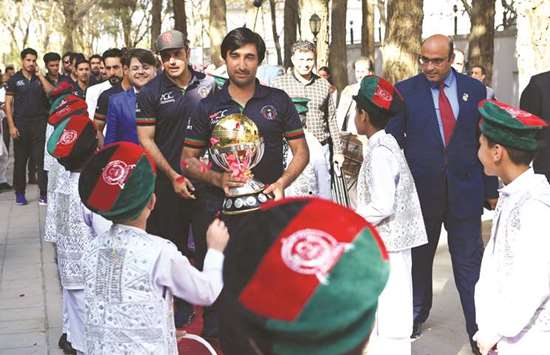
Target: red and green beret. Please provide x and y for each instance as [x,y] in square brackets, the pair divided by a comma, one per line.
[510,126]
[378,94]
[118,181]
[73,141]
[69,106]
[306,274]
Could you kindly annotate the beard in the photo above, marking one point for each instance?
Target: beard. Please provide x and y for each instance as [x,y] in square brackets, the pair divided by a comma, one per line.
[239,82]
[114,80]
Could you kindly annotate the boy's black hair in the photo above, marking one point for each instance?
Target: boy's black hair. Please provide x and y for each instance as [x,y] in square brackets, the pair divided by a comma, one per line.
[517,156]
[241,36]
[51,57]
[378,117]
[28,51]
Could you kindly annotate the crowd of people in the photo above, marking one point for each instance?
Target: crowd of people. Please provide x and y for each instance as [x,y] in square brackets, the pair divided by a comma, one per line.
[120,145]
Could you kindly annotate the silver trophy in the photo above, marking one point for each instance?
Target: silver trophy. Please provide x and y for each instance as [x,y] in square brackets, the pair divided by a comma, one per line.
[236,146]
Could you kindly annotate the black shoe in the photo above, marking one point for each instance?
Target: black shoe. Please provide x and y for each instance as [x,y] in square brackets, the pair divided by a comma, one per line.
[68,349]
[62,341]
[417,330]
[475,348]
[5,187]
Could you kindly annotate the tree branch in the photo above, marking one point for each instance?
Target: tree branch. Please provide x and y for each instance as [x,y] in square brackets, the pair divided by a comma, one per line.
[467,7]
[85,8]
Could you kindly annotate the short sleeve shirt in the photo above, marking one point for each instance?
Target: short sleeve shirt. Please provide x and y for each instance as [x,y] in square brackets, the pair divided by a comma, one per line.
[103,102]
[168,107]
[272,111]
[30,101]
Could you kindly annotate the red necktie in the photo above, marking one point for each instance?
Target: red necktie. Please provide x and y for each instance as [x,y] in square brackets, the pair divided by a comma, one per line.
[446,113]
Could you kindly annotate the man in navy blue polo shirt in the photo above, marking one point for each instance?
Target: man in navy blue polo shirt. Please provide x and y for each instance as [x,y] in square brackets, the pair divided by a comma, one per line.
[164,106]
[274,114]
[27,114]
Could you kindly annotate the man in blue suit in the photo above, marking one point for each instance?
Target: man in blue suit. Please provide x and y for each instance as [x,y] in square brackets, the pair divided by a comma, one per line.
[439,134]
[139,66]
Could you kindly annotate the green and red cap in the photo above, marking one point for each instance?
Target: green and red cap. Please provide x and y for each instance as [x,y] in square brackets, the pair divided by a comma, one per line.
[378,94]
[305,274]
[73,141]
[510,126]
[70,105]
[64,87]
[118,181]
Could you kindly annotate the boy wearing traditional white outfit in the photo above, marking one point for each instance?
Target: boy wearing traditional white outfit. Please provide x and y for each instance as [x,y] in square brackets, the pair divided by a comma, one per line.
[387,198]
[72,143]
[131,275]
[512,296]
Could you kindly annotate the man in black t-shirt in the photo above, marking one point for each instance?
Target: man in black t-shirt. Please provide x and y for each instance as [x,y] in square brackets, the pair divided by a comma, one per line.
[276,118]
[164,107]
[27,114]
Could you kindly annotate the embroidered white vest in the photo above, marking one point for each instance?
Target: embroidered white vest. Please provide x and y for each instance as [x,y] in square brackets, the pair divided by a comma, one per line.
[506,242]
[73,234]
[125,312]
[405,228]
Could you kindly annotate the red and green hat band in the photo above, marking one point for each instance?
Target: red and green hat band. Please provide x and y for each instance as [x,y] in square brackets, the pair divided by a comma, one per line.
[118,182]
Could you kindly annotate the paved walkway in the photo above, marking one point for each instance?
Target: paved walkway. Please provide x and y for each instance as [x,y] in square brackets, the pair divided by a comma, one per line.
[30,297]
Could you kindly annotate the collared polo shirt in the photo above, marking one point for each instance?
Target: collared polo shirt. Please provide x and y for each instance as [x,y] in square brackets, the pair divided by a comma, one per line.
[30,102]
[271,110]
[168,107]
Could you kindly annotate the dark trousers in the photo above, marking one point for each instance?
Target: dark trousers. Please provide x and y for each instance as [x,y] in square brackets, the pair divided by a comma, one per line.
[29,143]
[170,220]
[207,208]
[466,249]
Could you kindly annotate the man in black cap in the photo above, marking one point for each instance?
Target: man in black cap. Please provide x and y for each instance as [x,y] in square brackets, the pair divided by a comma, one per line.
[164,107]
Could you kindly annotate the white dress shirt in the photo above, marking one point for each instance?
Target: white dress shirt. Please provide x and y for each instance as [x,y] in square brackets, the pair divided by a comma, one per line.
[92,95]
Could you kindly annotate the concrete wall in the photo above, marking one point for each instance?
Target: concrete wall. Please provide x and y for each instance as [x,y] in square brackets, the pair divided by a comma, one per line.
[505,71]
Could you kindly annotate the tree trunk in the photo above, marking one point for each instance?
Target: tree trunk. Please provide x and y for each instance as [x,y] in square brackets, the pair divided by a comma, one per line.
[319,7]
[180,17]
[292,19]
[403,39]
[126,22]
[69,25]
[532,41]
[337,55]
[482,35]
[218,29]
[367,30]
[273,9]
[156,20]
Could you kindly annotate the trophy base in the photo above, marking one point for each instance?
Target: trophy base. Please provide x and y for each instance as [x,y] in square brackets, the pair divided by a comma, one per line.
[233,205]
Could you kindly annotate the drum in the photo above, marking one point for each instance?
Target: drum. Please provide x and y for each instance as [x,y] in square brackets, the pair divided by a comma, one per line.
[353,153]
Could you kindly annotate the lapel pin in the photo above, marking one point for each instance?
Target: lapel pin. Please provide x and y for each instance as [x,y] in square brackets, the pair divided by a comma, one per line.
[465,97]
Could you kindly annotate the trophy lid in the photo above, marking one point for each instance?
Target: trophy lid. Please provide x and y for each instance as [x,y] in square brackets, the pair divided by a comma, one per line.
[235,129]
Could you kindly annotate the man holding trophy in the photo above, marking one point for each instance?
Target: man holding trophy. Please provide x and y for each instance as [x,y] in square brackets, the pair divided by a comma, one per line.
[243,125]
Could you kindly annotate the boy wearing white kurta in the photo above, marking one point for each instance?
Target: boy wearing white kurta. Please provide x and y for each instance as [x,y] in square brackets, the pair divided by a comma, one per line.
[512,296]
[387,198]
[131,275]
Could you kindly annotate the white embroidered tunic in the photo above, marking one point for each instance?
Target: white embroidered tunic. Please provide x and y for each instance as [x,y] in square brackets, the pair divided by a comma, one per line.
[512,296]
[72,232]
[57,180]
[386,194]
[130,279]
[315,178]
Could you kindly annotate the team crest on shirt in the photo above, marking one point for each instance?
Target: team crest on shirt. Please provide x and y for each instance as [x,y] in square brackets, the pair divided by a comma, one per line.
[68,136]
[269,112]
[312,252]
[167,97]
[203,91]
[20,83]
[116,173]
